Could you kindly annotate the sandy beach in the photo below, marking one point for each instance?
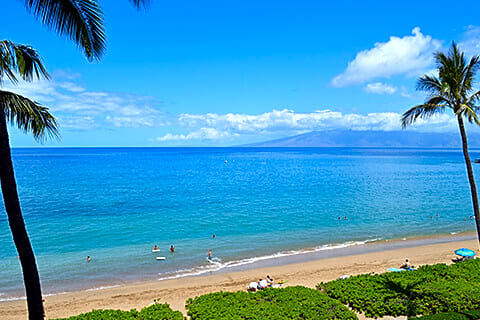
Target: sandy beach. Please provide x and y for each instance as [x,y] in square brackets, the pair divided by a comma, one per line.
[176,291]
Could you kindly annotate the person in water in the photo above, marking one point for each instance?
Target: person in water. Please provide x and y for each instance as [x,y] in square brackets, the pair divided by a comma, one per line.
[155,247]
[172,249]
[209,254]
[406,265]
[88,259]
[213,236]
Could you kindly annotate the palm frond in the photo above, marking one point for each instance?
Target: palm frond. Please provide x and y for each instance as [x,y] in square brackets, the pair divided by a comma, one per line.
[469,74]
[421,111]
[473,98]
[79,20]
[29,116]
[430,84]
[469,113]
[22,60]
[439,101]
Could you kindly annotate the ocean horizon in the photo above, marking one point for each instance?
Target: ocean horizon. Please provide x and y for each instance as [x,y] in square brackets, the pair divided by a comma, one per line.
[115,204]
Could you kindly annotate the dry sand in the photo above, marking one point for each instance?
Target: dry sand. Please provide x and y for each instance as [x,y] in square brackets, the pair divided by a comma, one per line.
[176,291]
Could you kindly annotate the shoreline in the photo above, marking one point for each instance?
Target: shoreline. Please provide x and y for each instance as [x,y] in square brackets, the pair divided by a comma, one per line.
[306,269]
[279,258]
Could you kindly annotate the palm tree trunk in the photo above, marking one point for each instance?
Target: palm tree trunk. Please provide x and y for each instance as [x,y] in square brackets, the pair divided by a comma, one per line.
[17,226]
[471,177]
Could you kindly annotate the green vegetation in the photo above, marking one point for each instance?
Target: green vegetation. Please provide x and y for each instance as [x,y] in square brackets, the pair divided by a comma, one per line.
[463,315]
[288,303]
[154,312]
[428,290]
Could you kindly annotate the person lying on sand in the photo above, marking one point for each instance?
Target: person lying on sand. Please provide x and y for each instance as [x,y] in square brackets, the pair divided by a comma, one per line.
[406,265]
[269,280]
[262,283]
[458,259]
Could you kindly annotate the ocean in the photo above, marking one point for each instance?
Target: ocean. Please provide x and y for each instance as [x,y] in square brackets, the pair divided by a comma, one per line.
[115,204]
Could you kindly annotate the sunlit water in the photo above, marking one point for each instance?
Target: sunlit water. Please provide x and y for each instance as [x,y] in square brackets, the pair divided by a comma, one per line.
[116,204]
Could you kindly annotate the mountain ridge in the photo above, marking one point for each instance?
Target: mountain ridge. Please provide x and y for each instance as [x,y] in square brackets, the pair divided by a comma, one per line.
[350,138]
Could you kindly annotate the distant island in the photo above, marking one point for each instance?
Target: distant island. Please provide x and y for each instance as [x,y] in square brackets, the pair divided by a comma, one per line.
[350,138]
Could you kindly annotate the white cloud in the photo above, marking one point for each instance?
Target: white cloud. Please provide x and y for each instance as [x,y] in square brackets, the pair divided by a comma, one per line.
[225,127]
[201,134]
[77,108]
[408,55]
[380,88]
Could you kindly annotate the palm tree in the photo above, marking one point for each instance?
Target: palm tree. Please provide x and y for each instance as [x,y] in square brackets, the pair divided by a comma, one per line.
[82,22]
[30,117]
[452,89]
[79,20]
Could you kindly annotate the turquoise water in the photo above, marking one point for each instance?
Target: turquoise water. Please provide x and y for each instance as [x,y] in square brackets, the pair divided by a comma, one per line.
[116,204]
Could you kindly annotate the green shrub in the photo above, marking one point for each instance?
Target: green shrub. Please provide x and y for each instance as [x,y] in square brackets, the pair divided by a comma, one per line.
[465,315]
[153,312]
[428,290]
[288,303]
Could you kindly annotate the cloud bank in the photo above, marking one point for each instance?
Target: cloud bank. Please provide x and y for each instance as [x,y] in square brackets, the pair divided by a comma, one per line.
[281,123]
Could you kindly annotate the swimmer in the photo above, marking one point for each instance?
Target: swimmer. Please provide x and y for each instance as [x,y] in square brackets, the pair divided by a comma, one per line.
[213,236]
[209,254]
[88,259]
[155,247]
[172,249]
[346,218]
[437,215]
[339,218]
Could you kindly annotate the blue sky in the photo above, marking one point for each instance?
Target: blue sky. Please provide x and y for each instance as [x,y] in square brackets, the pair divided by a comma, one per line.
[222,73]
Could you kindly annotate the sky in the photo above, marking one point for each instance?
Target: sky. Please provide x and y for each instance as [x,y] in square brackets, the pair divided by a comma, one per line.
[223,73]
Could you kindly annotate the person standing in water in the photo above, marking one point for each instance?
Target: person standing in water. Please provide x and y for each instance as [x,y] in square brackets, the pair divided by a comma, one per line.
[172,249]
[209,257]
[88,259]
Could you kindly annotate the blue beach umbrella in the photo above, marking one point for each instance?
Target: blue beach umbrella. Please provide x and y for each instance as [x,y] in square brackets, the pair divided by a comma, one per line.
[464,252]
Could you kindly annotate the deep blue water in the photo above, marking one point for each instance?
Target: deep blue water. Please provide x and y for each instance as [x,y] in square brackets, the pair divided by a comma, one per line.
[116,204]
